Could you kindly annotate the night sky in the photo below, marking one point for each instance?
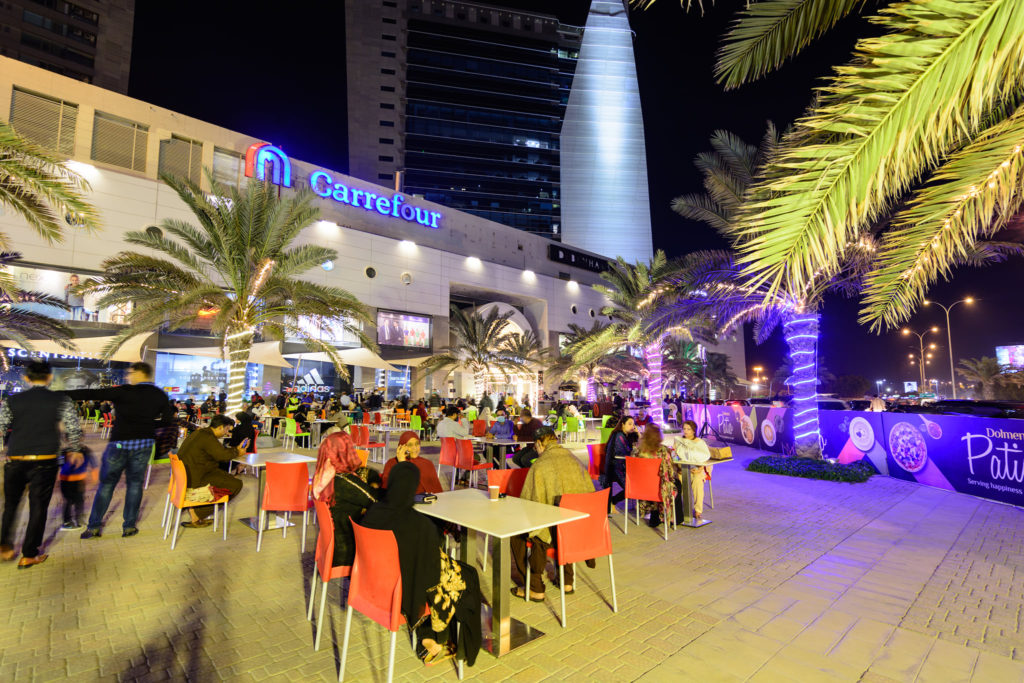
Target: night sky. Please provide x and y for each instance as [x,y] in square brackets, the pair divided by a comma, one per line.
[207,60]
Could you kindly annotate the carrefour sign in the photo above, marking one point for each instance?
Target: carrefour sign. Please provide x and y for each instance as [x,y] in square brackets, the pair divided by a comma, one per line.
[270,164]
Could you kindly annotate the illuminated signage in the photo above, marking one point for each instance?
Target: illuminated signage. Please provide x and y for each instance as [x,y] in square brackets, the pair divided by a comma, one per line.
[261,156]
[571,257]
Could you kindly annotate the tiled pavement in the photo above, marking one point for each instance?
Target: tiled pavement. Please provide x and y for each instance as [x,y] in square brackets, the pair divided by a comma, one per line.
[794,581]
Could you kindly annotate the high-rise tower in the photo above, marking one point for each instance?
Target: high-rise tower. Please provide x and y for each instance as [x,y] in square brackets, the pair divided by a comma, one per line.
[605,203]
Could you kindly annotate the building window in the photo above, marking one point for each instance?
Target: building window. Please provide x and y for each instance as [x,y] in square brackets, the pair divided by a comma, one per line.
[388,124]
[385,158]
[388,72]
[181,157]
[390,3]
[46,121]
[227,167]
[119,142]
[386,141]
[42,44]
[59,27]
[81,13]
[388,20]
[385,176]
[387,88]
[386,105]
[385,36]
[386,53]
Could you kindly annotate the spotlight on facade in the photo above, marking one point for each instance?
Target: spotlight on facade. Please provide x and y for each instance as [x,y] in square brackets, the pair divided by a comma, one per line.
[408,246]
[473,262]
[572,286]
[529,276]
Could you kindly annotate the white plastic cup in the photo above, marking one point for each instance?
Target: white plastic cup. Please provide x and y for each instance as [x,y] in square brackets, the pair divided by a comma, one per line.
[493,490]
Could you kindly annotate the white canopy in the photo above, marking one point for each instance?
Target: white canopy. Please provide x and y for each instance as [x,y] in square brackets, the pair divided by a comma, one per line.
[90,347]
[264,353]
[361,357]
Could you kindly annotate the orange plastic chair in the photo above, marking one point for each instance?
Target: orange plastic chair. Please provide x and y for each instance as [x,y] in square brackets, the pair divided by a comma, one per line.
[449,456]
[643,483]
[179,482]
[466,461]
[170,492]
[375,588]
[596,468]
[286,490]
[479,427]
[323,567]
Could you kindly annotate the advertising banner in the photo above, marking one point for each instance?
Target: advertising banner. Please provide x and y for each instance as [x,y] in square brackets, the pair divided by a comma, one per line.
[850,436]
[403,329]
[198,376]
[775,429]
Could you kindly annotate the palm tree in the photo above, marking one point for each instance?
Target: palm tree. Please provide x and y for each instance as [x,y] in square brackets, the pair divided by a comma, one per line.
[237,266]
[984,371]
[614,365]
[480,345]
[528,350]
[20,319]
[925,121]
[36,185]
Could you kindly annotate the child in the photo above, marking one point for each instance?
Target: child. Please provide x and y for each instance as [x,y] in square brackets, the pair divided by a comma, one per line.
[72,488]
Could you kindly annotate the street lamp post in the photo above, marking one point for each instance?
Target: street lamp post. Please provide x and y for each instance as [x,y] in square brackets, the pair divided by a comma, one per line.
[879,382]
[949,333]
[921,360]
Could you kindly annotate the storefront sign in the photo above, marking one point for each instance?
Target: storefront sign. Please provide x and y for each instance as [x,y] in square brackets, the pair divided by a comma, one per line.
[262,160]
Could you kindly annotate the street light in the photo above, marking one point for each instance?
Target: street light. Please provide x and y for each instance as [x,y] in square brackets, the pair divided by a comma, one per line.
[921,352]
[949,333]
[879,382]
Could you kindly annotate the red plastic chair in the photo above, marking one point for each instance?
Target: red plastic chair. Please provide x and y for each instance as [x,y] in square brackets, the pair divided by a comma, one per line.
[643,483]
[323,567]
[466,461]
[509,482]
[108,424]
[363,441]
[596,468]
[449,456]
[585,539]
[286,490]
[375,588]
[176,497]
[479,427]
[376,418]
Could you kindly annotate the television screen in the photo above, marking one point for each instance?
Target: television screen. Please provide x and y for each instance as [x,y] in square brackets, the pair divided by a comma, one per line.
[1011,356]
[402,329]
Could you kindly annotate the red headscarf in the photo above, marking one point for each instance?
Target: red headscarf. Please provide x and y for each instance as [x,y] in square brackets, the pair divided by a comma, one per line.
[337,455]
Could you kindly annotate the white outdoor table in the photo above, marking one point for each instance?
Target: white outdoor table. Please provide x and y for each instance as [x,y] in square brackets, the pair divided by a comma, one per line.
[502,519]
[689,516]
[588,420]
[316,427]
[259,461]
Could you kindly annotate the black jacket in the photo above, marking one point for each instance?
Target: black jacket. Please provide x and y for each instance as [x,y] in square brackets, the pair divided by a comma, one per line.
[138,408]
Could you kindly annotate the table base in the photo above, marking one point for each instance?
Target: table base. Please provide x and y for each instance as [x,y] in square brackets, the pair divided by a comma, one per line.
[519,634]
[273,522]
[694,523]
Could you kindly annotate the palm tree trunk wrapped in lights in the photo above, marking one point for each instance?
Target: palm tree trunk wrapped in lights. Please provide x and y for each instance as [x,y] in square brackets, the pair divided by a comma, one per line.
[653,356]
[591,389]
[801,332]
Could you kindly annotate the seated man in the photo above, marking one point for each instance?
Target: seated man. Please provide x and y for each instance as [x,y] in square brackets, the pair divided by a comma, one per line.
[200,453]
[450,427]
[526,431]
[555,472]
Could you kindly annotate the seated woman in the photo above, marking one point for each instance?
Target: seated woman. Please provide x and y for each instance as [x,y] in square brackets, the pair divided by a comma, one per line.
[409,451]
[619,445]
[429,577]
[502,428]
[650,446]
[693,452]
[243,429]
[347,486]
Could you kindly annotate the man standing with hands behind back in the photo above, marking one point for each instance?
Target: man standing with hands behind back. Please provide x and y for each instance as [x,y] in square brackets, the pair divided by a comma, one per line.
[139,408]
[34,416]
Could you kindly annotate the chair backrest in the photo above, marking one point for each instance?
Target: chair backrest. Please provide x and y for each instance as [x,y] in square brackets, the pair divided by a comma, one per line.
[325,544]
[499,478]
[286,487]
[253,444]
[464,448]
[604,420]
[375,587]
[415,422]
[516,481]
[587,538]
[108,419]
[449,451]
[642,480]
[572,424]
[376,418]
[606,433]
[596,452]
[360,434]
[289,426]
[363,455]
[479,427]
[179,482]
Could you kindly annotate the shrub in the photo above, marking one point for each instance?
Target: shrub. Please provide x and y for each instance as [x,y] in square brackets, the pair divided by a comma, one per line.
[809,468]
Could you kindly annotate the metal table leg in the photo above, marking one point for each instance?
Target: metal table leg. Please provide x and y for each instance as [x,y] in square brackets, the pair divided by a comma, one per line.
[689,516]
[502,633]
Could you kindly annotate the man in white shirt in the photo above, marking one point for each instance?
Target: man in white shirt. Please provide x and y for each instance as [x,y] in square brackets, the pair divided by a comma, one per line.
[877,405]
[449,427]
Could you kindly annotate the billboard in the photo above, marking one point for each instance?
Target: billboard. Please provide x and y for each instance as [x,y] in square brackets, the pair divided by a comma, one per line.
[198,376]
[1011,356]
[403,330]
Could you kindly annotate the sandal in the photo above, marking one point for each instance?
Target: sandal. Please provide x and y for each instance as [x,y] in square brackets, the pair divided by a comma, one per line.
[521,593]
[197,525]
[442,653]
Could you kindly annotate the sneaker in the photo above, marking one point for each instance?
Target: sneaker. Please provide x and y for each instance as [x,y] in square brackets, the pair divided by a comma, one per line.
[130,531]
[92,533]
[70,526]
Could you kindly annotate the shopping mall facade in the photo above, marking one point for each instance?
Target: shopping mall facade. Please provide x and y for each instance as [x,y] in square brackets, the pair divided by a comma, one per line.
[405,258]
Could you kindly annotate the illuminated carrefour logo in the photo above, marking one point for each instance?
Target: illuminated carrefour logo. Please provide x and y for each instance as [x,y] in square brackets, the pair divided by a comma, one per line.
[260,155]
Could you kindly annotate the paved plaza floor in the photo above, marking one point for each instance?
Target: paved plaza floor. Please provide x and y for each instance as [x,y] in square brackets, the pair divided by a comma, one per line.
[794,580]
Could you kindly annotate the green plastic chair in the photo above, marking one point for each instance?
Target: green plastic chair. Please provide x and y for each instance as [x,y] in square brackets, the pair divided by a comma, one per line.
[416,425]
[604,420]
[572,427]
[153,460]
[605,433]
[290,431]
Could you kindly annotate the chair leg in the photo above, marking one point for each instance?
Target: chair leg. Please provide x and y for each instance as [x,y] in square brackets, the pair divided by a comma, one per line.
[611,575]
[711,496]
[625,516]
[487,543]
[391,657]
[177,525]
[224,531]
[215,518]
[344,644]
[167,506]
[287,521]
[259,530]
[561,589]
[304,518]
[312,592]
[148,471]
[320,621]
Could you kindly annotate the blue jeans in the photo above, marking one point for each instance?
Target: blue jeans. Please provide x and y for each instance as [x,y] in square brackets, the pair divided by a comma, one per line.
[131,461]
